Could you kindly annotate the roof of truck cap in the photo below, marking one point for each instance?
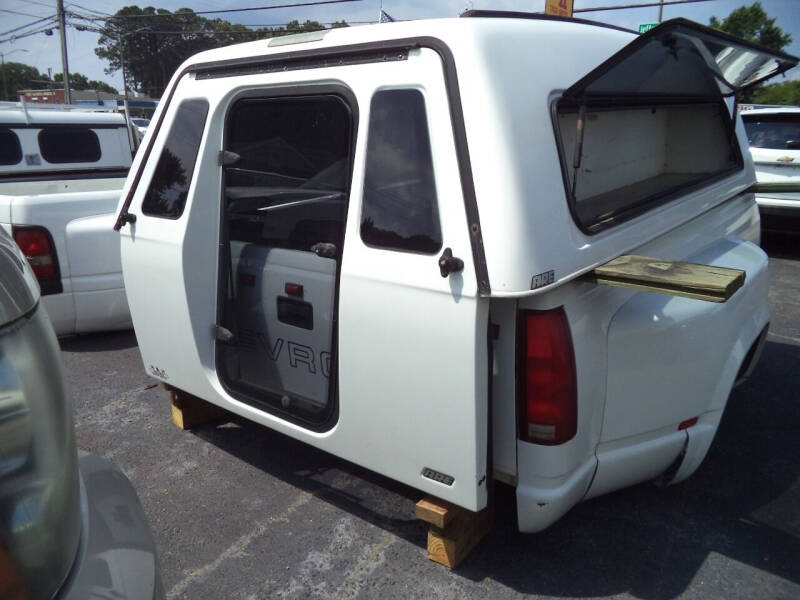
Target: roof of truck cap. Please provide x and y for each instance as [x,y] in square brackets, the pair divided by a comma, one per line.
[445,29]
[16,115]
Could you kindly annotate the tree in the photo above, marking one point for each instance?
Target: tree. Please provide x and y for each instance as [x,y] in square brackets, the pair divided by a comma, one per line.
[787,92]
[18,76]
[754,25]
[156,41]
[79,81]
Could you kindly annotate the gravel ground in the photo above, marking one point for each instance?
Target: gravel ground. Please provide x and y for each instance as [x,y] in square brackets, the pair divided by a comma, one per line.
[239,511]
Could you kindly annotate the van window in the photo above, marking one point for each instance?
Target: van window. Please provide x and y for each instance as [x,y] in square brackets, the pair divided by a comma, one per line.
[10,150]
[776,131]
[69,145]
[169,187]
[399,207]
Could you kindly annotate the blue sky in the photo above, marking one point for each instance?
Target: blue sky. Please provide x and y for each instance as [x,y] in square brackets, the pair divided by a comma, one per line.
[43,51]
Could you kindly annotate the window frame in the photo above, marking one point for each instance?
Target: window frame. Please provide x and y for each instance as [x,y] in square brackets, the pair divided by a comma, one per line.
[654,201]
[197,159]
[329,417]
[20,154]
[88,129]
[438,219]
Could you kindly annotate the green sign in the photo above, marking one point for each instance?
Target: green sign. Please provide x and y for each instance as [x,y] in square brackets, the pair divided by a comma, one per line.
[644,27]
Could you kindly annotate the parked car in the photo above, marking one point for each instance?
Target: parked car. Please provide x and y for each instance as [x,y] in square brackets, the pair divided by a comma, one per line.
[61,174]
[380,241]
[774,137]
[71,525]
[141,125]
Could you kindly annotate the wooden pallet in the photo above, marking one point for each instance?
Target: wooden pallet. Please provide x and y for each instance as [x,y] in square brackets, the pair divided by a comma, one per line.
[701,282]
[190,411]
[453,531]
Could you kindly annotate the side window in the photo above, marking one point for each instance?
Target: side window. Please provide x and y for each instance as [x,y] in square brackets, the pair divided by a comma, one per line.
[169,187]
[69,145]
[399,208]
[10,150]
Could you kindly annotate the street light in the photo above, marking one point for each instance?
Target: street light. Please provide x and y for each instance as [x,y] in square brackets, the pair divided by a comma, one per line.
[3,64]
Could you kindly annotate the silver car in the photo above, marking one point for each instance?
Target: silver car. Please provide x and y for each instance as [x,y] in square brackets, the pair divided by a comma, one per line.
[71,525]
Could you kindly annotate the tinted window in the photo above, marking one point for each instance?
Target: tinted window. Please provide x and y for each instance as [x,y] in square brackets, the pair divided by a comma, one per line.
[287,186]
[400,210]
[69,145]
[779,132]
[169,187]
[10,150]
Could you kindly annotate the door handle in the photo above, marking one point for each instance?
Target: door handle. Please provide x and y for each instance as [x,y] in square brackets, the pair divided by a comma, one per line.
[449,263]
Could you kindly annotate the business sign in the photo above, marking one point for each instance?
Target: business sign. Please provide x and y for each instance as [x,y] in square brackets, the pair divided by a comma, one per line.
[645,27]
[560,8]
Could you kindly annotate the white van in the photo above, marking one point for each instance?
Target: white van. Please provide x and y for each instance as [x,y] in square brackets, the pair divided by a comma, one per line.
[375,239]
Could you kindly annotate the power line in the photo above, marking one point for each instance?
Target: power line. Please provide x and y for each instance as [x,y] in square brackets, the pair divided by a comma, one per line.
[37,3]
[221,11]
[643,5]
[16,12]
[92,10]
[50,18]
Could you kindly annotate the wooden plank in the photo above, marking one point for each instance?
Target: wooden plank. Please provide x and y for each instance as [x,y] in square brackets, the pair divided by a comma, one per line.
[454,531]
[436,512]
[450,545]
[189,411]
[690,280]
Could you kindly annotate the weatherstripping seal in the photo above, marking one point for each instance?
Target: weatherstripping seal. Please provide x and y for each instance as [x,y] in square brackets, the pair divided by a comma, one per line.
[378,51]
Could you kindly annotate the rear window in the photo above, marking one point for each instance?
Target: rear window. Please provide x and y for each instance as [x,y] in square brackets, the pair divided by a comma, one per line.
[622,161]
[778,132]
[10,150]
[69,145]
[169,187]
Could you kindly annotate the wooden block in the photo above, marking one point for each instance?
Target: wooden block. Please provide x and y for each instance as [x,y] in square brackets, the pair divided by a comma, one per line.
[690,280]
[436,512]
[189,411]
[454,531]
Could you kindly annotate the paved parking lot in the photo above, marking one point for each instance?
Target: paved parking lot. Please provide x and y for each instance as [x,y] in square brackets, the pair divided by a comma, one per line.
[239,511]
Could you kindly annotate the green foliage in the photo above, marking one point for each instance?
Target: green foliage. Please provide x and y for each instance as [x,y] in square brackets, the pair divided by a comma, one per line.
[754,25]
[18,76]
[79,81]
[155,42]
[787,92]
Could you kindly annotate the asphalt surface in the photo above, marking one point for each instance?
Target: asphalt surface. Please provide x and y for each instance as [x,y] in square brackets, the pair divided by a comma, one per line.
[239,511]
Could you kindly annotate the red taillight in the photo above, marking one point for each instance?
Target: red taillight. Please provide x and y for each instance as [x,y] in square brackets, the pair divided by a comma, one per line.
[548,398]
[35,245]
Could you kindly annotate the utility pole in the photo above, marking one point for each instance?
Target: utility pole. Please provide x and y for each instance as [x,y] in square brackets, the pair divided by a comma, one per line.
[660,9]
[62,26]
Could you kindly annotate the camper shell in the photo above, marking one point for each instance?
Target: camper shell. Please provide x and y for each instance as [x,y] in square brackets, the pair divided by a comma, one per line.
[380,241]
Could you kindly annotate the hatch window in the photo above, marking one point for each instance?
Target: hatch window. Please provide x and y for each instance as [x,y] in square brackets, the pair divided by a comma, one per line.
[777,132]
[166,196]
[69,145]
[400,209]
[10,150]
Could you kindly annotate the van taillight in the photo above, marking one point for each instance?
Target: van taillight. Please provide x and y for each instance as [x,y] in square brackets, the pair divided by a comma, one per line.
[37,247]
[547,395]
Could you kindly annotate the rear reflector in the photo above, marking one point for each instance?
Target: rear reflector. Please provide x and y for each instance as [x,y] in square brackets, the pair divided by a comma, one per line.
[37,248]
[547,396]
[687,423]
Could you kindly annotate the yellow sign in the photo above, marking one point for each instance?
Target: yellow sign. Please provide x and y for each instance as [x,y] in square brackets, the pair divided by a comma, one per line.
[560,8]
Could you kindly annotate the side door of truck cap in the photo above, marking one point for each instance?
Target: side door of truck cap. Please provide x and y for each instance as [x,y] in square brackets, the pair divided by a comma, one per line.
[644,67]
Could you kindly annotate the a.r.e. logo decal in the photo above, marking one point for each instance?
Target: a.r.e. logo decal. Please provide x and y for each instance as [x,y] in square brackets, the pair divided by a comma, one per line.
[543,279]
